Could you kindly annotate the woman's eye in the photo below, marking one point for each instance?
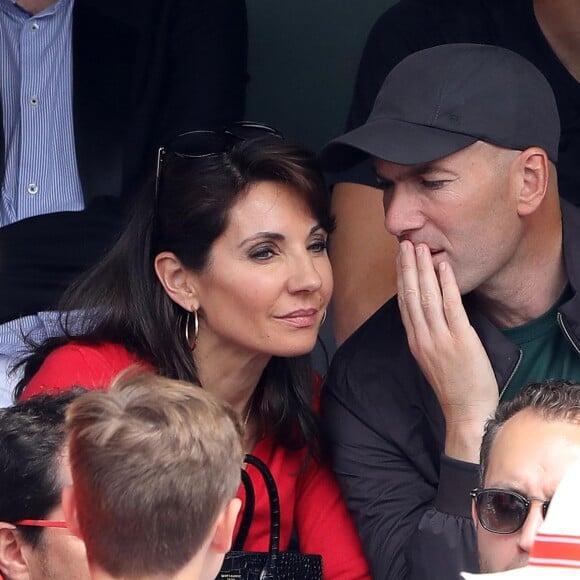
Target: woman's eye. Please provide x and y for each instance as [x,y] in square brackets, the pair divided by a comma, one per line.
[262,253]
[318,246]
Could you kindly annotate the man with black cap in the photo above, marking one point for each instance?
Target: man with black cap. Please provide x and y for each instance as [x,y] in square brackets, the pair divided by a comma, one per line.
[464,139]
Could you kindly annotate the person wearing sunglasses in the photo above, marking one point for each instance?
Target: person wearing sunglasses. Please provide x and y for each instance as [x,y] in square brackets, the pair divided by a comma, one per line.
[555,554]
[222,279]
[35,543]
[527,446]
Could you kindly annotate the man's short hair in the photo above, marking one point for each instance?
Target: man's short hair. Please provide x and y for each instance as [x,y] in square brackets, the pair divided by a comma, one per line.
[32,436]
[154,461]
[555,400]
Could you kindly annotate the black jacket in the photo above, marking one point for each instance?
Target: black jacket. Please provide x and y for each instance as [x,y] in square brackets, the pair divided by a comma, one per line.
[410,502]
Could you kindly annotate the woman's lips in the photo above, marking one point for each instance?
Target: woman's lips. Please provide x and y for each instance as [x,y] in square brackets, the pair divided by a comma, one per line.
[300,318]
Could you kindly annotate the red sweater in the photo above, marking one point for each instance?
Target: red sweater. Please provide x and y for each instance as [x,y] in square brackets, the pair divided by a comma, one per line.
[310,500]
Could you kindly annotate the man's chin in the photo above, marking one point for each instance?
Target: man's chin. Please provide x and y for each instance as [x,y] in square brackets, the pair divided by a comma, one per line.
[488,567]
[521,562]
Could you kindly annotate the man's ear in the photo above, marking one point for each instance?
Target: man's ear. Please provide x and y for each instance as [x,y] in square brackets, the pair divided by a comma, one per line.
[176,280]
[224,527]
[13,564]
[69,508]
[532,178]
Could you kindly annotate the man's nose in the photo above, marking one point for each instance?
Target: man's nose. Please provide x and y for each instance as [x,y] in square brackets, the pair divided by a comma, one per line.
[528,531]
[402,211]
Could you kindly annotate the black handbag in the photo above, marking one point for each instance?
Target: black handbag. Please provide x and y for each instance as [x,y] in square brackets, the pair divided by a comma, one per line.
[273,564]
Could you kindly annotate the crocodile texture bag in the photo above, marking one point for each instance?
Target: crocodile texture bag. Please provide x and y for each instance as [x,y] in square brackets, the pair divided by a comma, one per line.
[273,564]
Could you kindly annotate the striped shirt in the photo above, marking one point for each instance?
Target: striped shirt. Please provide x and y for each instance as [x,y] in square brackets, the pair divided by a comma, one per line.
[41,174]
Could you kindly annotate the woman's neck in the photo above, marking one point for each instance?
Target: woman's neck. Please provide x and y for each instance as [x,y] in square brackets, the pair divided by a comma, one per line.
[228,373]
[232,376]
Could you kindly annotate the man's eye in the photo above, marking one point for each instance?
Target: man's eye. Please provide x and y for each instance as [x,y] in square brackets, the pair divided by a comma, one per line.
[433,184]
[384,185]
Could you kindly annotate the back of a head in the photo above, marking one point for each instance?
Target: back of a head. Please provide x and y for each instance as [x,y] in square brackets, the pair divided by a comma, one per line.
[32,437]
[154,461]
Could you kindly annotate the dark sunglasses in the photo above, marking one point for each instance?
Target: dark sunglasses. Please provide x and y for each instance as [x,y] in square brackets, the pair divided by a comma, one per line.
[208,142]
[503,511]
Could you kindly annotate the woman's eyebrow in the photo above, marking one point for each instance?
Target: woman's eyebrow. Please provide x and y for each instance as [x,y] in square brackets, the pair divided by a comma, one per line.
[261,236]
[274,235]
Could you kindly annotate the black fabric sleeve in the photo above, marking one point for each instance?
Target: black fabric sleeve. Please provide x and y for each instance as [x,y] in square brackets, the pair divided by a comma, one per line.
[411,526]
[456,475]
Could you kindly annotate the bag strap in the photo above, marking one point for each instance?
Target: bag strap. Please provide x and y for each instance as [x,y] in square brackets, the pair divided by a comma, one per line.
[248,514]
[273,498]
[269,571]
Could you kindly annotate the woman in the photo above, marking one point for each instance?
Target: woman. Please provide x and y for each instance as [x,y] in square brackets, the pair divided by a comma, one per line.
[222,279]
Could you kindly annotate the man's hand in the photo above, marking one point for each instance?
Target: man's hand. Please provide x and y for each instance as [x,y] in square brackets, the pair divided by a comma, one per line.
[447,348]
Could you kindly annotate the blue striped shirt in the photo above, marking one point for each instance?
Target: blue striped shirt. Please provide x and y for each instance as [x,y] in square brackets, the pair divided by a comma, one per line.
[41,173]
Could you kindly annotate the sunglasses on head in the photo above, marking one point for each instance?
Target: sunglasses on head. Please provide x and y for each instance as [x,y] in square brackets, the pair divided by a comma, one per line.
[208,142]
[502,511]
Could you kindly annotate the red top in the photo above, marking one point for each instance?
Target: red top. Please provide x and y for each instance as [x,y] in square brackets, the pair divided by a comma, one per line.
[310,500]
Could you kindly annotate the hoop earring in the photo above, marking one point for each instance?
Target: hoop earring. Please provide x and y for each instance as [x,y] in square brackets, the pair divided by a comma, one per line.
[195,329]
[323,318]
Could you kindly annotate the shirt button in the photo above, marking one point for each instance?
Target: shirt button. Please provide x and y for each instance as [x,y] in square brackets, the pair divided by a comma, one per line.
[34,101]
[35,26]
[32,188]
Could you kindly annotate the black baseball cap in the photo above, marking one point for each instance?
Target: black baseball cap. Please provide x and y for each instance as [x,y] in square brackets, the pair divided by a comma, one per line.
[442,99]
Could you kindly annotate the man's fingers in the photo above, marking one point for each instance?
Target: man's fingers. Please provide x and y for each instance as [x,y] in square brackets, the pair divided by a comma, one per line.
[409,292]
[453,307]
[430,292]
[401,300]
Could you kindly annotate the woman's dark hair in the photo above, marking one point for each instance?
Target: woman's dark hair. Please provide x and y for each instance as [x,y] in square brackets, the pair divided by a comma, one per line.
[121,299]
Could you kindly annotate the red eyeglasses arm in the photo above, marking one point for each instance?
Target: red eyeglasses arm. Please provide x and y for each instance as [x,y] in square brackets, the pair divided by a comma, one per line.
[42,523]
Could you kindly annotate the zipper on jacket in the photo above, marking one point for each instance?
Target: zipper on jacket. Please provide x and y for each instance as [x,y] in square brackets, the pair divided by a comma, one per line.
[506,384]
[567,334]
